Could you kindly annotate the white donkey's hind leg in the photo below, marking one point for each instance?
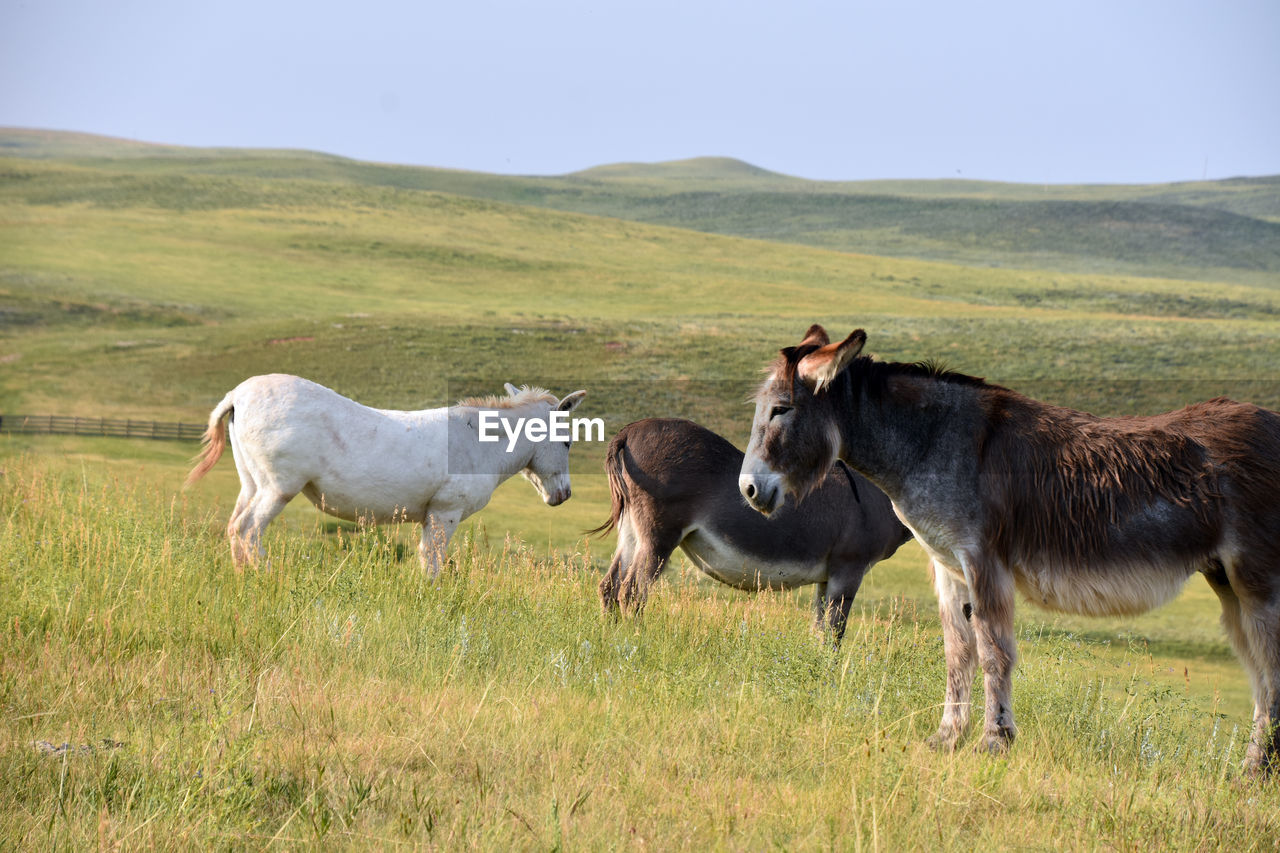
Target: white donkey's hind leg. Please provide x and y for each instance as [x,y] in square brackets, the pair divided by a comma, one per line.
[262,510]
[248,488]
[437,530]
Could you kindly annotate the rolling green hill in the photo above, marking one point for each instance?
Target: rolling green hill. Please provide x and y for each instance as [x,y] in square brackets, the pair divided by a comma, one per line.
[1212,231]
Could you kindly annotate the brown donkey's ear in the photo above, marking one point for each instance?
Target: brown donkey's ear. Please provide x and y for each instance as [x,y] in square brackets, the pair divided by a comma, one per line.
[817,369]
[816,335]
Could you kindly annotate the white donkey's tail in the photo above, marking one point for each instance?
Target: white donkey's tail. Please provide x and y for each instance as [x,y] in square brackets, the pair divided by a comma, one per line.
[215,441]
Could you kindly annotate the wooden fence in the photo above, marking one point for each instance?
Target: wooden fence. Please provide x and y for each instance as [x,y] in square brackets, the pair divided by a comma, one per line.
[114,427]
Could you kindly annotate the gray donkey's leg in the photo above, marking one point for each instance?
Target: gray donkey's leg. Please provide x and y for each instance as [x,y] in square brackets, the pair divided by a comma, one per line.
[962,655]
[992,592]
[1233,618]
[1261,623]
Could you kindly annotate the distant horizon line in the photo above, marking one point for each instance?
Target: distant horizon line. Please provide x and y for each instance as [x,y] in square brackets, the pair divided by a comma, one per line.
[737,162]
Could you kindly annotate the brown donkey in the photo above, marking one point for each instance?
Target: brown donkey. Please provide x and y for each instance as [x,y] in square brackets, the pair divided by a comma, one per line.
[674,483]
[1081,514]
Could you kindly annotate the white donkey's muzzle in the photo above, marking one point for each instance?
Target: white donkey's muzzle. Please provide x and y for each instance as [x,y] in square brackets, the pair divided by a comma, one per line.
[555,491]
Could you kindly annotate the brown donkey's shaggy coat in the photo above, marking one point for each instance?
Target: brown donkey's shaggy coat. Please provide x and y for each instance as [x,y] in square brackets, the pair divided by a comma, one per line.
[1081,514]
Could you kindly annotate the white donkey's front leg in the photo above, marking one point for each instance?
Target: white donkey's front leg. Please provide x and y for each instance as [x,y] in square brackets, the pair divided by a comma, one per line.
[437,530]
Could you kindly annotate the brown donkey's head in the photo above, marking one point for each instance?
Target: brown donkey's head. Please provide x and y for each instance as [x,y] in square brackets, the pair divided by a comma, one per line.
[795,436]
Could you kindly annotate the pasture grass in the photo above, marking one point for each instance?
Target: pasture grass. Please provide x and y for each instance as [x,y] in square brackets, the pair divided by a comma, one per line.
[337,697]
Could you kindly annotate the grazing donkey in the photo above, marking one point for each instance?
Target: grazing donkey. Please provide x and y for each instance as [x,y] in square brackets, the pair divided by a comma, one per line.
[674,483]
[290,435]
[1081,514]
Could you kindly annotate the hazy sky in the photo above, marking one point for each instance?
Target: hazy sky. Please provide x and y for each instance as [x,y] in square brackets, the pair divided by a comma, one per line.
[1109,91]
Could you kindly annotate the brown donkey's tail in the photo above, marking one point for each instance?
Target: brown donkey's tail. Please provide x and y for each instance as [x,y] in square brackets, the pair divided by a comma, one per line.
[214,441]
[616,469]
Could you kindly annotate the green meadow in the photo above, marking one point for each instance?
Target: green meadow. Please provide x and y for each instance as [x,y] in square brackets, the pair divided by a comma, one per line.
[335,697]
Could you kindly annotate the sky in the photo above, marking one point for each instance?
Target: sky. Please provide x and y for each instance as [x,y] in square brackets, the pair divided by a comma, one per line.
[1107,91]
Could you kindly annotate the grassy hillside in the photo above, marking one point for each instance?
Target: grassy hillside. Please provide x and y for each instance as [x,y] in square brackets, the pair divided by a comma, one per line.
[1211,230]
[337,698]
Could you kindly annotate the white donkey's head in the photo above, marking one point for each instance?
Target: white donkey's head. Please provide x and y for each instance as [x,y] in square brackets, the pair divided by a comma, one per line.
[548,467]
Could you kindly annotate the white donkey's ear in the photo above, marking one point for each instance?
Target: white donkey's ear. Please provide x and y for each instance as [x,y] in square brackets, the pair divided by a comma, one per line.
[570,402]
[510,389]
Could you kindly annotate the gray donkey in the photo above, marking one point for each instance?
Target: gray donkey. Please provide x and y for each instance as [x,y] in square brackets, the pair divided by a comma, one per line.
[1081,514]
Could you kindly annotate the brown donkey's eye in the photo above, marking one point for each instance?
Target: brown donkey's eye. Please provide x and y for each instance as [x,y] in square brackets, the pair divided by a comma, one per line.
[779,410]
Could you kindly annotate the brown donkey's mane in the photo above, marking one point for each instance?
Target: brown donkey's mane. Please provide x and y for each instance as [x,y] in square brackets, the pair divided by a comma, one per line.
[871,374]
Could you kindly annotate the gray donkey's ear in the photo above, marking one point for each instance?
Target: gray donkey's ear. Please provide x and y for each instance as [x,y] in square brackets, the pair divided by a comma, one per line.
[510,389]
[819,367]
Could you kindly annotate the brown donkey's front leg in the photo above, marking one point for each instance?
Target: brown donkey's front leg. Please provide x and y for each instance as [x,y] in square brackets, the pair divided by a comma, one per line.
[992,590]
[962,655]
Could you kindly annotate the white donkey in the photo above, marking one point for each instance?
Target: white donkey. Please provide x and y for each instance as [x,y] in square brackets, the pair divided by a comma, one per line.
[290,435]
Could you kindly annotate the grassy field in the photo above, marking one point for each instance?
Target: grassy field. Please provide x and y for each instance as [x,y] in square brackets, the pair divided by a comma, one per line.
[338,698]
[1217,231]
